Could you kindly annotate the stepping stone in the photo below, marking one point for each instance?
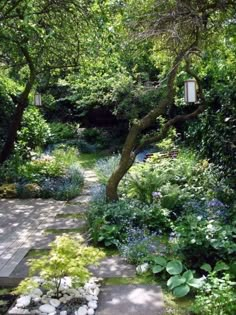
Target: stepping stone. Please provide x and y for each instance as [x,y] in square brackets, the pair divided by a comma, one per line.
[73,209]
[113,267]
[82,199]
[64,223]
[14,260]
[131,300]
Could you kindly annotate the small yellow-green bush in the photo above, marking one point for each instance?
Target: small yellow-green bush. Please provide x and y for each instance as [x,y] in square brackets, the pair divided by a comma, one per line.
[8,191]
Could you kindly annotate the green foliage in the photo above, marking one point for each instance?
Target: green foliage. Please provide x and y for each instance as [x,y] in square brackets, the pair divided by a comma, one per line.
[67,257]
[58,176]
[110,222]
[26,286]
[205,240]
[35,170]
[177,180]
[216,297]
[34,131]
[62,131]
[105,167]
[7,88]
[65,155]
[180,282]
[213,133]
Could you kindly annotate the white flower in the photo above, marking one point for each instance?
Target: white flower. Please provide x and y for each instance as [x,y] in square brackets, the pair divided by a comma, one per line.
[142,268]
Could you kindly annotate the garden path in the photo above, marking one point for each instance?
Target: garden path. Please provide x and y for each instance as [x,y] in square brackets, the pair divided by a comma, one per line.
[33,223]
[22,227]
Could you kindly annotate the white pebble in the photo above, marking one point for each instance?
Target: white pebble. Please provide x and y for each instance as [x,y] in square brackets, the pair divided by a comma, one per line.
[82,311]
[47,308]
[23,301]
[91,311]
[92,304]
[20,311]
[54,302]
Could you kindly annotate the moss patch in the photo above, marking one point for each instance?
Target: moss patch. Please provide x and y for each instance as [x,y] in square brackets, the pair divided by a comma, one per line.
[142,279]
[35,253]
[88,160]
[80,230]
[71,215]
[176,306]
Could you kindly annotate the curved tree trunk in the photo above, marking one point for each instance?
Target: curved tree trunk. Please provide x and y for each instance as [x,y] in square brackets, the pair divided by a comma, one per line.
[16,120]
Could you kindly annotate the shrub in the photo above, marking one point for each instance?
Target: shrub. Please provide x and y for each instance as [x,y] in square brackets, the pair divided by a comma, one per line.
[37,170]
[139,245]
[205,239]
[67,257]
[105,167]
[216,297]
[63,188]
[34,131]
[65,155]
[178,180]
[8,191]
[31,190]
[62,131]
[109,222]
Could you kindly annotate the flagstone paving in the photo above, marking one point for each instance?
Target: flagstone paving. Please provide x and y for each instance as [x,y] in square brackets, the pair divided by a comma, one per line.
[130,300]
[113,267]
[23,224]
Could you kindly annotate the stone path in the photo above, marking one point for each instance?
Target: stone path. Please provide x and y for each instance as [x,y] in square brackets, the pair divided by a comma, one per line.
[23,224]
[131,300]
[113,267]
[22,227]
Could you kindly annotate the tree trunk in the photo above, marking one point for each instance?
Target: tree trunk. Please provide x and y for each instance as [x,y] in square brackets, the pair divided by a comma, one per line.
[126,161]
[16,121]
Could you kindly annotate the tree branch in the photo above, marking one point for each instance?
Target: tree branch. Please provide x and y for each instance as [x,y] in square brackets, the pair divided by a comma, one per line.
[179,118]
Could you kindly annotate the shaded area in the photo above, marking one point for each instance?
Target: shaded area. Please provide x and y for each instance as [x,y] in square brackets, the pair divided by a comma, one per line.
[113,267]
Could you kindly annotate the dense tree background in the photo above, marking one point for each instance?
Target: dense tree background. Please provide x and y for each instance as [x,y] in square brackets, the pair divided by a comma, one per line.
[115,56]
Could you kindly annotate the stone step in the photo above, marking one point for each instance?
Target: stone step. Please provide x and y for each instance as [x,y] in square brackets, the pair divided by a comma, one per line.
[113,267]
[73,209]
[82,199]
[64,223]
[131,300]
[13,261]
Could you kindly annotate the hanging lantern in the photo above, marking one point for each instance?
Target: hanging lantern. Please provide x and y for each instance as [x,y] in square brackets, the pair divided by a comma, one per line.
[37,99]
[190,91]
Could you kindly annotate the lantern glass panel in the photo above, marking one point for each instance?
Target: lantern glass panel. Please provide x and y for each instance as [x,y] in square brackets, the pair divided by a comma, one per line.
[190,91]
[37,100]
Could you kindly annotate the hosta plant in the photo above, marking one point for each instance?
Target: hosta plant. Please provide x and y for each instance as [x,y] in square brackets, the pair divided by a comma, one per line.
[180,282]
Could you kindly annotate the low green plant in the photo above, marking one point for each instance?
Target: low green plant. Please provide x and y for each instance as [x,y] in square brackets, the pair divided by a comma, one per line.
[62,131]
[180,281]
[65,155]
[204,239]
[110,222]
[216,297]
[64,187]
[35,170]
[179,180]
[67,257]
